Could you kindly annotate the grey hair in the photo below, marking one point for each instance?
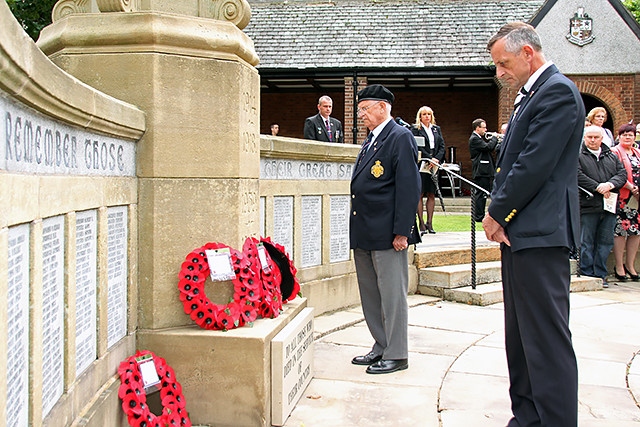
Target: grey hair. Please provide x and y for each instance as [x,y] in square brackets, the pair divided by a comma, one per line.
[516,35]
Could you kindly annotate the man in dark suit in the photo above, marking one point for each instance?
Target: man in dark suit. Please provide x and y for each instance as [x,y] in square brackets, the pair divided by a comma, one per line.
[385,187]
[322,127]
[535,215]
[482,164]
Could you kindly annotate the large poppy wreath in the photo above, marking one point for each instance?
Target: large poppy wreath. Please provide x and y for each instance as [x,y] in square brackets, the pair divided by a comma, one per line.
[134,398]
[240,310]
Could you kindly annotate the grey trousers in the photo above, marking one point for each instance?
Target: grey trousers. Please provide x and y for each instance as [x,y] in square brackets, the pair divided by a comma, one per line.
[383,280]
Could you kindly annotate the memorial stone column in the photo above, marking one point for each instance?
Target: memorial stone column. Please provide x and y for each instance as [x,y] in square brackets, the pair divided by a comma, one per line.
[188,65]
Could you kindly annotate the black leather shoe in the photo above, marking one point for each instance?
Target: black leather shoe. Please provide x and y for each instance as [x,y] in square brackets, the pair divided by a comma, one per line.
[634,277]
[430,229]
[367,359]
[387,366]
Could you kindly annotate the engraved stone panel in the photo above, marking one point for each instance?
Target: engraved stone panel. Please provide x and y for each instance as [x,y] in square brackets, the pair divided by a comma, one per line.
[52,312]
[86,283]
[17,327]
[34,143]
[117,271]
[339,208]
[263,210]
[283,222]
[284,169]
[311,212]
[291,365]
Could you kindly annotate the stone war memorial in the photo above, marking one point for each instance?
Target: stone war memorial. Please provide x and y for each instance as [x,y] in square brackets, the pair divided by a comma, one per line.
[153,245]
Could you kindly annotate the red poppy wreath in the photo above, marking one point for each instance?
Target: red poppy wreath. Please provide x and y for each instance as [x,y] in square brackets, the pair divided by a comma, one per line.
[134,398]
[240,310]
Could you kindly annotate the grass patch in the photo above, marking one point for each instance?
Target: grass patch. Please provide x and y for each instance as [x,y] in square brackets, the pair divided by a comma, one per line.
[453,222]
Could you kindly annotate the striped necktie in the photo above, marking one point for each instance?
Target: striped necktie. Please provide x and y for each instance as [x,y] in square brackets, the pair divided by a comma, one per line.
[365,146]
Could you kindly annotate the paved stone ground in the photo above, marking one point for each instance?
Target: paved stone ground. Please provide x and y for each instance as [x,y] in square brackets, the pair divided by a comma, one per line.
[457,374]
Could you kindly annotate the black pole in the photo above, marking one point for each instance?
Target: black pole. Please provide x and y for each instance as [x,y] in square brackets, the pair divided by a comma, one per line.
[473,238]
[355,107]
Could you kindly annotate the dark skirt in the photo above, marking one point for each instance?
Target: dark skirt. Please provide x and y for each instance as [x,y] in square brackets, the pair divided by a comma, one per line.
[427,183]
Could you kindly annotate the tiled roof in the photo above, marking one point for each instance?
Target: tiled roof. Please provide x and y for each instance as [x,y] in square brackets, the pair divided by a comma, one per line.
[405,33]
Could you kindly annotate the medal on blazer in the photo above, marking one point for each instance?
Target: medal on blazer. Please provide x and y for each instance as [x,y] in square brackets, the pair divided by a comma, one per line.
[377,170]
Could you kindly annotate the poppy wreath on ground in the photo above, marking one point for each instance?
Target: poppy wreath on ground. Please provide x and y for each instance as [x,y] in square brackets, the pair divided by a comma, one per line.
[134,398]
[270,302]
[243,306]
[289,285]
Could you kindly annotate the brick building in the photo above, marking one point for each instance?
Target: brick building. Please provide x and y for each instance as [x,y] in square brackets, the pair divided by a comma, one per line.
[434,53]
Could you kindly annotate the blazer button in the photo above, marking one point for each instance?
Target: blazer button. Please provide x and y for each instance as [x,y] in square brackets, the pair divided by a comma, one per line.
[354,212]
[497,170]
[353,196]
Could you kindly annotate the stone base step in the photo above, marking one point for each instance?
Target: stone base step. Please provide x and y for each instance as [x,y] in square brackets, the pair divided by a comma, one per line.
[491,293]
[456,276]
[439,256]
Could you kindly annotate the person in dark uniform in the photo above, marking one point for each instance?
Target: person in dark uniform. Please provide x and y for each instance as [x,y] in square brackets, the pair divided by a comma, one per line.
[385,187]
[322,127]
[535,215]
[482,164]
[433,149]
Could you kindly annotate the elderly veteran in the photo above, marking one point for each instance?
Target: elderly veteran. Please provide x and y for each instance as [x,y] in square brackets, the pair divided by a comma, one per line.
[385,187]
[601,174]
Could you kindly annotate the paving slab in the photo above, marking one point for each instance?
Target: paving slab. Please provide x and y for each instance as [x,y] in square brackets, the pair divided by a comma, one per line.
[457,374]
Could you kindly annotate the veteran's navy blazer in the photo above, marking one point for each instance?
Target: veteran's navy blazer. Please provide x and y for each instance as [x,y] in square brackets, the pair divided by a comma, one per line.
[385,189]
[535,193]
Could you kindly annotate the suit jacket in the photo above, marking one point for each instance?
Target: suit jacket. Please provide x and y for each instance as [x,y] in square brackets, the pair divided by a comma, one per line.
[385,189]
[316,129]
[438,144]
[535,193]
[482,164]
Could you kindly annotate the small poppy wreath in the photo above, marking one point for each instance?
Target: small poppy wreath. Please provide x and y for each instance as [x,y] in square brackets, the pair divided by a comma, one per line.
[290,287]
[270,303]
[134,398]
[240,310]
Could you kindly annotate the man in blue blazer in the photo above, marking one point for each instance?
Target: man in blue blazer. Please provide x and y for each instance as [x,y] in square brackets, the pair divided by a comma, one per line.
[323,127]
[535,215]
[385,187]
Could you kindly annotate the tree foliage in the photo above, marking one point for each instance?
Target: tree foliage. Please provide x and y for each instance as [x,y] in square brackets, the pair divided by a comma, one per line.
[634,7]
[33,15]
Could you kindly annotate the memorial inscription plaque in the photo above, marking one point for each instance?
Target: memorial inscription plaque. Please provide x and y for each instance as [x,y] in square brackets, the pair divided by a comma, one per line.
[291,365]
[117,232]
[86,283]
[52,311]
[17,327]
[339,208]
[311,212]
[283,222]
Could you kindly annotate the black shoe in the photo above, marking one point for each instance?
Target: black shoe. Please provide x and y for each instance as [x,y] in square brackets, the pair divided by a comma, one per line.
[634,277]
[367,359]
[619,277]
[430,229]
[387,366]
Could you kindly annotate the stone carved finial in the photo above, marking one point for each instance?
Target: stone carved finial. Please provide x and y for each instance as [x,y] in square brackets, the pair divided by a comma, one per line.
[238,12]
[117,5]
[69,7]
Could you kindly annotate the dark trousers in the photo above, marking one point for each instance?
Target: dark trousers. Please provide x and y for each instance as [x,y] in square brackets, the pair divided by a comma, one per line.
[543,371]
[480,198]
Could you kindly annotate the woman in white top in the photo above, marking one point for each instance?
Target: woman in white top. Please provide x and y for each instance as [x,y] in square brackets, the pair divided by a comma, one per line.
[597,116]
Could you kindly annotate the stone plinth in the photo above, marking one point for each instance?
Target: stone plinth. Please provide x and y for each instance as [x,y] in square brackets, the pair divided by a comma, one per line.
[225,376]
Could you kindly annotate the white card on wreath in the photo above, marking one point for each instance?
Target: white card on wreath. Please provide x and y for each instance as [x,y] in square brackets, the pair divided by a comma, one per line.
[220,264]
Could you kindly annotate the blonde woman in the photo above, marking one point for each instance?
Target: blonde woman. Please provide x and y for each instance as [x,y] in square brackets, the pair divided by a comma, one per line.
[433,149]
[597,116]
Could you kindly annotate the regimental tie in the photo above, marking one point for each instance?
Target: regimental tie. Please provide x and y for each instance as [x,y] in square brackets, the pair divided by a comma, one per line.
[365,147]
[328,124]
[522,94]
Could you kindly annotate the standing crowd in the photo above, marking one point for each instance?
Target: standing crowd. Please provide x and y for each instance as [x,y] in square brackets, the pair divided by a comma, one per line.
[558,180]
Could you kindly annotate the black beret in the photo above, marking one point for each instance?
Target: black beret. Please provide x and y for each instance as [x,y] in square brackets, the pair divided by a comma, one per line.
[376,93]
